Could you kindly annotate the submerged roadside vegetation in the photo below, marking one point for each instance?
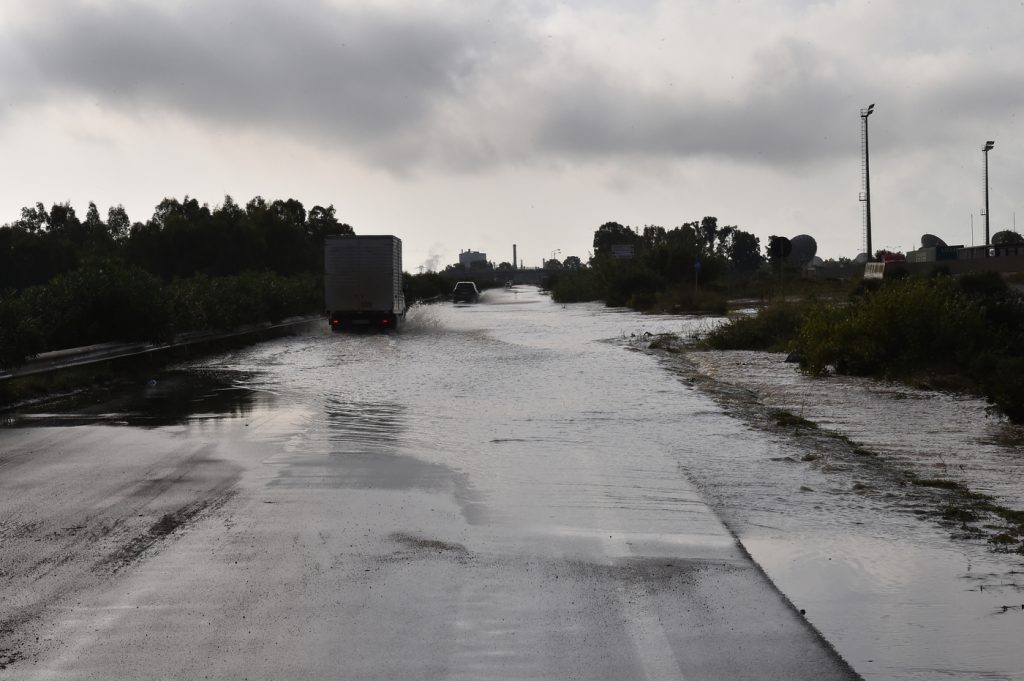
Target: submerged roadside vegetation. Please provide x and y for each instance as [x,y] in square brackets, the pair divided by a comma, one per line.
[912,478]
[964,333]
[972,497]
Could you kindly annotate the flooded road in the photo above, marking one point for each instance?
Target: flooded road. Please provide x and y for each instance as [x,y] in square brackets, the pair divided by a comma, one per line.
[513,489]
[902,591]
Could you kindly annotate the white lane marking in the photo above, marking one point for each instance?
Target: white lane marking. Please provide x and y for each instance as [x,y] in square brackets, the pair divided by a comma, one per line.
[653,649]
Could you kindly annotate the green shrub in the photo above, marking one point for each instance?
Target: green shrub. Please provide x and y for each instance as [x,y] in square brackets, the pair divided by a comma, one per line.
[99,302]
[969,329]
[683,299]
[621,283]
[21,335]
[1003,382]
[771,328]
[575,286]
[111,301]
[425,286]
[218,303]
[898,330]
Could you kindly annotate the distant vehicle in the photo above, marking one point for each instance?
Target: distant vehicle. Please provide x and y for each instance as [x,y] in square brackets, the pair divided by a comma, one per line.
[508,284]
[363,282]
[465,292]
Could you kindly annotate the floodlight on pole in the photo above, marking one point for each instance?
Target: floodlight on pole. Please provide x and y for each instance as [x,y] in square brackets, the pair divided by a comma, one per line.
[866,197]
[985,149]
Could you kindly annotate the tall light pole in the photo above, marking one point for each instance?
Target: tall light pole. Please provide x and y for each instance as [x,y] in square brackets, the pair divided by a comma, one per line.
[864,113]
[985,149]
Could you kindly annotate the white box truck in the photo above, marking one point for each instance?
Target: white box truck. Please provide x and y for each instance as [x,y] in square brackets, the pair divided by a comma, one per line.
[363,282]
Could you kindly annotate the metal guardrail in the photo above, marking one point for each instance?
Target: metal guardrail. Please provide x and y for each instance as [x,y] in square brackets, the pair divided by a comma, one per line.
[105,352]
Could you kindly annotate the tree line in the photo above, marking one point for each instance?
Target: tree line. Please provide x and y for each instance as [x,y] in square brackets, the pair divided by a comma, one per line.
[181,239]
[658,268]
[68,281]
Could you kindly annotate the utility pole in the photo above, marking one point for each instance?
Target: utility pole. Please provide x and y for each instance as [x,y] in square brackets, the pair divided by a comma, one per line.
[985,149]
[866,198]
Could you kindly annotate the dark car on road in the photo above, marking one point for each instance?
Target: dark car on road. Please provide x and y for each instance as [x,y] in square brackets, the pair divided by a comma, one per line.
[465,292]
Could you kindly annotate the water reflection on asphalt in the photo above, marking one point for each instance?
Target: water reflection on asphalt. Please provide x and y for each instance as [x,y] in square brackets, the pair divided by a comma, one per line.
[160,399]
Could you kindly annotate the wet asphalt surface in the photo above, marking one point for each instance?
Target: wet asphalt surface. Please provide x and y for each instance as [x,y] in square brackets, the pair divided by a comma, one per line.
[478,497]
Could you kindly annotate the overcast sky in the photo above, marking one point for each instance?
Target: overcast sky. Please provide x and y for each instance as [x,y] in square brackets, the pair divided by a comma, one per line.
[475,125]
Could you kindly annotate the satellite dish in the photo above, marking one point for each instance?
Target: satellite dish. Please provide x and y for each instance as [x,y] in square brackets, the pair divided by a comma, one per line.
[803,249]
[932,241]
[862,258]
[1006,237]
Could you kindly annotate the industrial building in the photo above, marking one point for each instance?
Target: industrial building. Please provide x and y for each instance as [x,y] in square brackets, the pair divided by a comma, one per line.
[468,258]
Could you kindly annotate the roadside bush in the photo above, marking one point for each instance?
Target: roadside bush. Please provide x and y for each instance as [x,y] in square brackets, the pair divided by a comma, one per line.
[218,303]
[897,331]
[575,286]
[424,286]
[983,285]
[967,332]
[1003,307]
[99,302]
[771,329]
[110,301]
[683,299]
[1001,379]
[21,336]
[632,287]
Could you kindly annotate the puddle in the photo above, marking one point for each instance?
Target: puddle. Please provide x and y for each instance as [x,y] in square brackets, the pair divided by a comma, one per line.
[168,398]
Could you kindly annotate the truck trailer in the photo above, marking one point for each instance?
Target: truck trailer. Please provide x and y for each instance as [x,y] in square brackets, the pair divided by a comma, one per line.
[363,282]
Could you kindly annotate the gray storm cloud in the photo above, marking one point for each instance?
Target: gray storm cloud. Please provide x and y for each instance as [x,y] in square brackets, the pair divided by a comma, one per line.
[432,86]
[358,77]
[787,114]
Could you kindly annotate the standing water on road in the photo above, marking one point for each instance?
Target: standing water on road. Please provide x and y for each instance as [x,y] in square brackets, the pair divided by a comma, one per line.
[513,489]
[893,593]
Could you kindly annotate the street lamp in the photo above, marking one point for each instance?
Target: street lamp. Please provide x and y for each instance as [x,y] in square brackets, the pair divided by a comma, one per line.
[864,113]
[985,149]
